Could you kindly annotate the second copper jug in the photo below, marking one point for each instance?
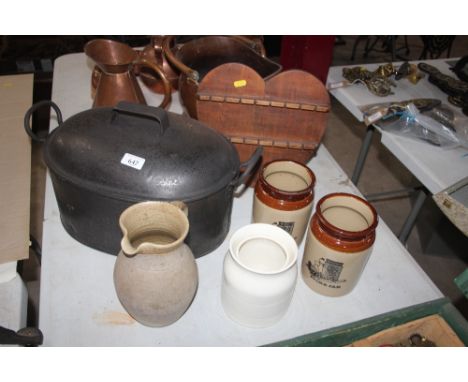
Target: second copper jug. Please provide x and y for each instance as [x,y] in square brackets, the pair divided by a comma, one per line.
[153,52]
[113,77]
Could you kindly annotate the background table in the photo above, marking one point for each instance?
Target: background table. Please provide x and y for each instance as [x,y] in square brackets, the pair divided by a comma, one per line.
[79,306]
[434,167]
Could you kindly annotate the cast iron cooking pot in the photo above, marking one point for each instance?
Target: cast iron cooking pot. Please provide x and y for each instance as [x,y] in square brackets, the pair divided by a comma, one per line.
[103,160]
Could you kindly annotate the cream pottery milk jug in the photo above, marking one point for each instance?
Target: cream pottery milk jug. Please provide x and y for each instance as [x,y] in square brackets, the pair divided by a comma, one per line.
[155,274]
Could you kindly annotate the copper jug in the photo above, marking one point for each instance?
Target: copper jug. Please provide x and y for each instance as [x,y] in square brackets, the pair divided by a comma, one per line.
[113,79]
[153,52]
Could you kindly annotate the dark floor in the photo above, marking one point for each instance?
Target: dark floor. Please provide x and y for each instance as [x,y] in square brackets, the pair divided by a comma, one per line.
[435,243]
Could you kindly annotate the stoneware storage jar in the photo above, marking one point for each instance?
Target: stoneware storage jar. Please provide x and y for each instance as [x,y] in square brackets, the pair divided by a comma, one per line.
[339,242]
[259,275]
[155,274]
[284,193]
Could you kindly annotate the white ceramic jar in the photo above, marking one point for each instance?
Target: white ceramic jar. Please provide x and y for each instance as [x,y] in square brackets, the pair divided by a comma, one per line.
[259,275]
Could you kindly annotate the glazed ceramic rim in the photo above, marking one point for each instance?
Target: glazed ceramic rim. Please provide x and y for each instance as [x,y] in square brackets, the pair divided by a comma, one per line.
[287,195]
[346,233]
[166,247]
[290,259]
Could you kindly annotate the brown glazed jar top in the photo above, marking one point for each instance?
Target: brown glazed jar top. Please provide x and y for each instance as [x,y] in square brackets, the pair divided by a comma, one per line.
[340,239]
[282,199]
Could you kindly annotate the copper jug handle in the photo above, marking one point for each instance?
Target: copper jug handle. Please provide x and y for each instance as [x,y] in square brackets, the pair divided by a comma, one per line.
[167,51]
[252,44]
[166,83]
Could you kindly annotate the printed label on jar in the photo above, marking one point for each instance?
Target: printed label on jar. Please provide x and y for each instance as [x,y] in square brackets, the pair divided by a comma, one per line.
[131,160]
[326,272]
[287,226]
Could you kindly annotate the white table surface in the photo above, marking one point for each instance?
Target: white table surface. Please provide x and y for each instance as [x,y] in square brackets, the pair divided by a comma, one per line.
[79,306]
[434,167]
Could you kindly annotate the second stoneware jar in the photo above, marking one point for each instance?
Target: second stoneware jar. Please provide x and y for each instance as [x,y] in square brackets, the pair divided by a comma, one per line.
[259,275]
[339,242]
[284,193]
[155,274]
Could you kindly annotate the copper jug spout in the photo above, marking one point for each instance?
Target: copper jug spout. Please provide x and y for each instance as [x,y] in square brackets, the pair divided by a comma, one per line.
[111,56]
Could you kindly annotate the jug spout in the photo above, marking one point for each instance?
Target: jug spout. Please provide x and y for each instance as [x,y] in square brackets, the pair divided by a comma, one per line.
[110,56]
[152,228]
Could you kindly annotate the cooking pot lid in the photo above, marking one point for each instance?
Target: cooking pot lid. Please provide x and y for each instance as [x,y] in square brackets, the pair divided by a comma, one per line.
[139,152]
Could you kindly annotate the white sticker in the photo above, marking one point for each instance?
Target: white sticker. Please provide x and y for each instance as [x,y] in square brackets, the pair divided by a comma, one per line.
[336,85]
[133,161]
[373,117]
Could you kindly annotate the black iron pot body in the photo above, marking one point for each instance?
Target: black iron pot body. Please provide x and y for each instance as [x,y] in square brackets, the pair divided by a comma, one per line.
[103,160]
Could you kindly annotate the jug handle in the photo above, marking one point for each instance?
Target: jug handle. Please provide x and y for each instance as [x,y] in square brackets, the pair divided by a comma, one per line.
[165,81]
[248,166]
[257,46]
[31,110]
[167,51]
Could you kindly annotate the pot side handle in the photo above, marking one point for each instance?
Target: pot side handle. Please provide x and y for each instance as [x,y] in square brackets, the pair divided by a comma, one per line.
[248,166]
[156,113]
[31,110]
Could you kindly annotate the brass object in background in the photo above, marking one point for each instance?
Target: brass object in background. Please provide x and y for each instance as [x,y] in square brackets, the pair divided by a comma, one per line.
[377,82]
[385,70]
[414,75]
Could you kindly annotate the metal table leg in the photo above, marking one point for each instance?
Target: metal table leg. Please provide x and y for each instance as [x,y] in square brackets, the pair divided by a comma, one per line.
[362,154]
[411,219]
[404,192]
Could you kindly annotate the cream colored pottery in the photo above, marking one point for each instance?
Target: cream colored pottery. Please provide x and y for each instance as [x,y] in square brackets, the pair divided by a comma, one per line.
[293,222]
[155,274]
[259,275]
[283,197]
[330,272]
[338,244]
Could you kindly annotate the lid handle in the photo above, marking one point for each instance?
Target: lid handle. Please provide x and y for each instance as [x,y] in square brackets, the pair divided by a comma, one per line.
[144,111]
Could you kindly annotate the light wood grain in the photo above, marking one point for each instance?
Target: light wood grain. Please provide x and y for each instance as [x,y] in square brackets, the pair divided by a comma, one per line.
[434,328]
[15,167]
